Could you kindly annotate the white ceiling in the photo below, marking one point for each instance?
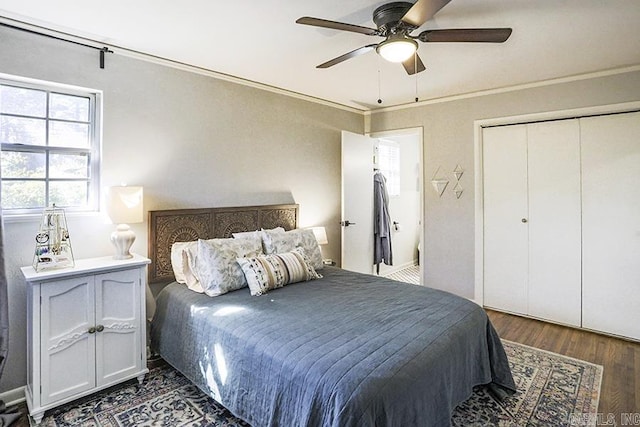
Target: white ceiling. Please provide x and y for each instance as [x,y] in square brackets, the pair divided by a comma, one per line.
[259,41]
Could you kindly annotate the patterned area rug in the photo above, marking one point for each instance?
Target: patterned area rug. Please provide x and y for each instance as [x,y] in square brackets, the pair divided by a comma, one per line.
[552,390]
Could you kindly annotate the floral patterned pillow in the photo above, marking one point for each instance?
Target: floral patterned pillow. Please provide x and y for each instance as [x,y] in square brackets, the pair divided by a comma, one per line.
[267,272]
[261,234]
[298,238]
[216,264]
[267,238]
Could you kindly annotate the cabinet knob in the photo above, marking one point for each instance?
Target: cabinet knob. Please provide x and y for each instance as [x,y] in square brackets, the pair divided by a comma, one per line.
[100,328]
[92,330]
[524,220]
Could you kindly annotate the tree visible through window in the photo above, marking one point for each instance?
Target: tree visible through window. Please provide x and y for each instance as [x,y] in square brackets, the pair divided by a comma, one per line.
[49,148]
[389,164]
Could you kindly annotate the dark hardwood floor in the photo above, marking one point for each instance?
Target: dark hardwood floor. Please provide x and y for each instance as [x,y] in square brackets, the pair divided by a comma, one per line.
[620,392]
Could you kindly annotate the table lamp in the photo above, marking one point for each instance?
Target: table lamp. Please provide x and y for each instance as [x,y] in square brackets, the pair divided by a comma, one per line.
[321,235]
[124,206]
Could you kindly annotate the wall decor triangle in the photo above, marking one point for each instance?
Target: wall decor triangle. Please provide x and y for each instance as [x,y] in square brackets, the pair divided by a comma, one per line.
[457,172]
[458,190]
[440,185]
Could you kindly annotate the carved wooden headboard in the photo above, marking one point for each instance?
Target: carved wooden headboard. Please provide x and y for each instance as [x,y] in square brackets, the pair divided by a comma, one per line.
[183,225]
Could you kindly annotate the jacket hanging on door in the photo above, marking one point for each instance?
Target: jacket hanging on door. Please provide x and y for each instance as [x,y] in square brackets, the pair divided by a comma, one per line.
[381,222]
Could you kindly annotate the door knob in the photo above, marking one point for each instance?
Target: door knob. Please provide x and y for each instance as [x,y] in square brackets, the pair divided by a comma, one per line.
[524,220]
[347,223]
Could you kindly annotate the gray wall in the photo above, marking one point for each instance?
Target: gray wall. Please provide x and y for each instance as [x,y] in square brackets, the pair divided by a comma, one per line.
[448,253]
[191,141]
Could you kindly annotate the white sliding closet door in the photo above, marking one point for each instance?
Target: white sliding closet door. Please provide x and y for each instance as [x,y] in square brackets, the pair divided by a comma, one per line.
[505,205]
[611,223]
[554,221]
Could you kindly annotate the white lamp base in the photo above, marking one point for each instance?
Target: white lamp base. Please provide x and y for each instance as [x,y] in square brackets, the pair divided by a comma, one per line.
[122,239]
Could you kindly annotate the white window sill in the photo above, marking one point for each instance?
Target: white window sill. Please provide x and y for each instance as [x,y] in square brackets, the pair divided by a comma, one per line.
[8,218]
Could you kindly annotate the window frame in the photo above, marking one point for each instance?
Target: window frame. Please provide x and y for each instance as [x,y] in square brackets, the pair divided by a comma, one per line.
[93,151]
[393,176]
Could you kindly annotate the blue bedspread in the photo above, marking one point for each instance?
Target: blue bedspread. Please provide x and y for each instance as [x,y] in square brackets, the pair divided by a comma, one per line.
[346,350]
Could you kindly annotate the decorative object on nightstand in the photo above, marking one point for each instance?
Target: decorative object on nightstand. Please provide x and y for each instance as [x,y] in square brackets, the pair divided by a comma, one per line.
[124,206]
[53,246]
[86,329]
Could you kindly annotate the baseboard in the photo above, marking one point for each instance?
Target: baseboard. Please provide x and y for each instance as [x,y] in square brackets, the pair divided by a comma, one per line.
[13,397]
[566,325]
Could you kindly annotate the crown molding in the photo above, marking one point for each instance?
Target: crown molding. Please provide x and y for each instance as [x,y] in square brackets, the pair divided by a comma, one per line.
[91,43]
[506,89]
[65,36]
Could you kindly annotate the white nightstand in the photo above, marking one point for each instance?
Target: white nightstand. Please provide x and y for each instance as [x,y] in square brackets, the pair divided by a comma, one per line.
[86,329]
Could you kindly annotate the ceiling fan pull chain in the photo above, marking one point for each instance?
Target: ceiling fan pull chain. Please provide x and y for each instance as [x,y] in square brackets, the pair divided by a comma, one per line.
[415,68]
[379,97]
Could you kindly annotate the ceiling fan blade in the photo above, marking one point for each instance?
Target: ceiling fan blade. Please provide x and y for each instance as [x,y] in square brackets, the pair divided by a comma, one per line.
[317,22]
[413,63]
[483,35]
[422,11]
[352,54]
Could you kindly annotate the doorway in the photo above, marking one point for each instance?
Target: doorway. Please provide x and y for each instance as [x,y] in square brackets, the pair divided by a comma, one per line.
[398,155]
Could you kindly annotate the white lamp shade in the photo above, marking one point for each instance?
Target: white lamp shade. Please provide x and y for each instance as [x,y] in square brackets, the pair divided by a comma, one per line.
[124,205]
[397,49]
[321,235]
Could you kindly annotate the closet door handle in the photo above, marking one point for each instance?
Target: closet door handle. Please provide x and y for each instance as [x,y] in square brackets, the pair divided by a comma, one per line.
[524,220]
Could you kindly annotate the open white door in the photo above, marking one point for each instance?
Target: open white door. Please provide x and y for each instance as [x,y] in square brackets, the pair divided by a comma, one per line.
[357,202]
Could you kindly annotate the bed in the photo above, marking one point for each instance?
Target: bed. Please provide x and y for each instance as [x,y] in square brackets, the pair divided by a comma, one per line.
[345,350]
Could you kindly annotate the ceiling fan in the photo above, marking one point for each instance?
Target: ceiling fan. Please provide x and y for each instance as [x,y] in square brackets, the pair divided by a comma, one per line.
[395,22]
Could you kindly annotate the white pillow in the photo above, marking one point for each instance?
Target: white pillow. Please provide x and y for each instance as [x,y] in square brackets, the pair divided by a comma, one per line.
[267,272]
[216,264]
[183,259]
[176,260]
[190,258]
[298,238]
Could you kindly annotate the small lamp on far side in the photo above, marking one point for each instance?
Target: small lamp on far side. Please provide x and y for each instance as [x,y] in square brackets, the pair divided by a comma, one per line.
[321,235]
[124,206]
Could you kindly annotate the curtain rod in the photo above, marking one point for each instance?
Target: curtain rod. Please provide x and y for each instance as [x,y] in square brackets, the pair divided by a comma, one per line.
[102,50]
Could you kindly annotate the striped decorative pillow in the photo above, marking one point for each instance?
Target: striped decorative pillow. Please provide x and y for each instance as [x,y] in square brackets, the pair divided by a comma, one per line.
[266,272]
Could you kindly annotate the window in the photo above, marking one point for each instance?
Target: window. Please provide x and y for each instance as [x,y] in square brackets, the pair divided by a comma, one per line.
[389,164]
[50,148]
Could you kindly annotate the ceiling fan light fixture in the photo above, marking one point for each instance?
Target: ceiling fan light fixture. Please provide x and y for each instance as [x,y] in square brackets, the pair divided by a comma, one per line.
[397,48]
